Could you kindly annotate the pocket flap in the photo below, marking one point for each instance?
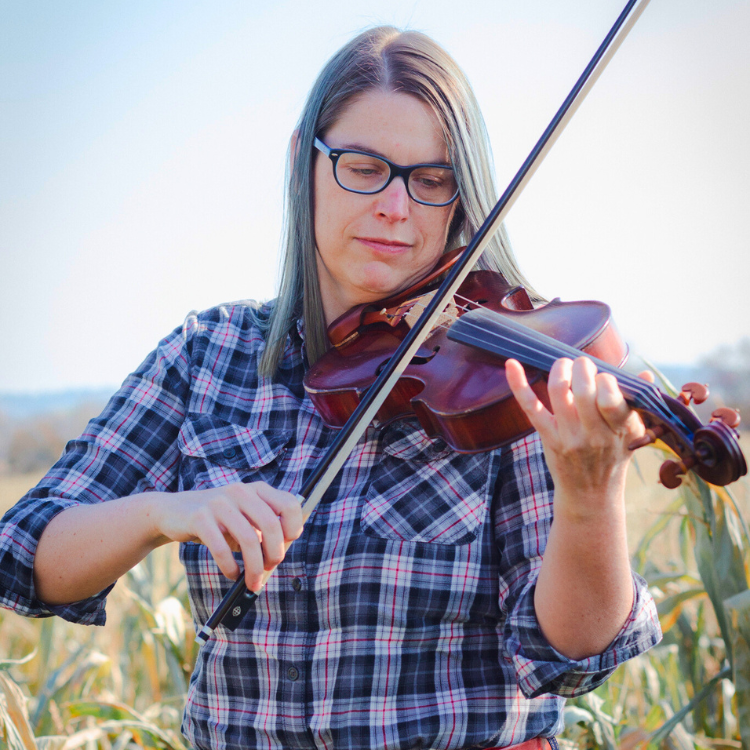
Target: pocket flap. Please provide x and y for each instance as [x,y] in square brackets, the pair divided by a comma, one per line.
[405,440]
[228,444]
[424,491]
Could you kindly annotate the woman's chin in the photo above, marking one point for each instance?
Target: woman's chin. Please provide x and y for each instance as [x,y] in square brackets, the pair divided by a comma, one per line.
[379,282]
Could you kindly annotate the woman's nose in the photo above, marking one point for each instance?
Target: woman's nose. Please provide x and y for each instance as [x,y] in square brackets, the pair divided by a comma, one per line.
[393,202]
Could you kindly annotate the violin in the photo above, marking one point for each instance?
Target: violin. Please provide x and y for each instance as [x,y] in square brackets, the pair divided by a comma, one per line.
[455,384]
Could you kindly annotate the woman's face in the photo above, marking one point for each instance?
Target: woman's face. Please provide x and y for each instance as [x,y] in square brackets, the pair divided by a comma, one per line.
[370,246]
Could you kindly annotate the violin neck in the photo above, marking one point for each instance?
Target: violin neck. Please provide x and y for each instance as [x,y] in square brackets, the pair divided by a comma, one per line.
[501,335]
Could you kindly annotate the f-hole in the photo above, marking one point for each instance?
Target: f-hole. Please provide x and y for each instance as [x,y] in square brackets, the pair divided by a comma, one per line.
[475,304]
[415,360]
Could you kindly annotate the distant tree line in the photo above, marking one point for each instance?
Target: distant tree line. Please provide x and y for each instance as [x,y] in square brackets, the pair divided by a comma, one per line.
[35,443]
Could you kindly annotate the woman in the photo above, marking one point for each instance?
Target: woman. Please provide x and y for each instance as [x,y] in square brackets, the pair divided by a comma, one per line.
[429,601]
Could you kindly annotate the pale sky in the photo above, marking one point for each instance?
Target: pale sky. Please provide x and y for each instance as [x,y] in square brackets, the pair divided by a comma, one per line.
[142,149]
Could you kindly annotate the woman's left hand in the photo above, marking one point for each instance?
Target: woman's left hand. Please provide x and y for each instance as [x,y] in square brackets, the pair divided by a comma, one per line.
[588,428]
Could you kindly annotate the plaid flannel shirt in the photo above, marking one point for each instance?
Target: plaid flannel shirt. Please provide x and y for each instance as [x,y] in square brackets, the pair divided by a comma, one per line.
[402,618]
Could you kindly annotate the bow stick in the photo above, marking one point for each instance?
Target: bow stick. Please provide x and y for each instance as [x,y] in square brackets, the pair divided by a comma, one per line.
[238,599]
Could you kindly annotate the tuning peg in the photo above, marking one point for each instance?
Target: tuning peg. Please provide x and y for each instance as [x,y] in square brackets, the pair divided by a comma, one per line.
[671,472]
[651,436]
[730,417]
[696,392]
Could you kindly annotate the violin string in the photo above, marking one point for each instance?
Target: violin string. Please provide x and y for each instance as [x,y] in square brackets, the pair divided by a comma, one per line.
[530,354]
[538,350]
[641,397]
[534,349]
[639,387]
[554,346]
[526,342]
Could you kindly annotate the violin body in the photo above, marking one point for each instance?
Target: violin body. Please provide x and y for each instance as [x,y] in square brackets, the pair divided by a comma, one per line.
[456,387]
[457,392]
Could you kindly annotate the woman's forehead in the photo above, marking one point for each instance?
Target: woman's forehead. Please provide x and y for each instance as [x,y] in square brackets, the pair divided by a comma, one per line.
[392,124]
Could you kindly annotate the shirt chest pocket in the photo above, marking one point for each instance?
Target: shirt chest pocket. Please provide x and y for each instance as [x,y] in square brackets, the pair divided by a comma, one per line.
[215,452]
[425,492]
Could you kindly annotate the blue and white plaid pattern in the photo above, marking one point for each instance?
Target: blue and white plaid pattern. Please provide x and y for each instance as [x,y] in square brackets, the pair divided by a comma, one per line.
[403,617]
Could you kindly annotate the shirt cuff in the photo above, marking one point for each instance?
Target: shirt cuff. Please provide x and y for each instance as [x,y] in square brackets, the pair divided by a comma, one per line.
[540,668]
[21,529]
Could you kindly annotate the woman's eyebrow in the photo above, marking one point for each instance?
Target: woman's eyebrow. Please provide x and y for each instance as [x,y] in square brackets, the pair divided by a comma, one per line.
[375,152]
[361,147]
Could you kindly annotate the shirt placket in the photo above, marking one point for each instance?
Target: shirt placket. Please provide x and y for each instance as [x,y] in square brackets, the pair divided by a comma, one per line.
[294,645]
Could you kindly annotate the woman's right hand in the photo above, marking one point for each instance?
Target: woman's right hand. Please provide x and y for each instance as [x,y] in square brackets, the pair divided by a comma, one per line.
[87,547]
[255,519]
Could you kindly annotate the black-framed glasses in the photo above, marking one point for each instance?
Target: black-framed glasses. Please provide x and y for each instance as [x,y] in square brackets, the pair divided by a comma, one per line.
[360,172]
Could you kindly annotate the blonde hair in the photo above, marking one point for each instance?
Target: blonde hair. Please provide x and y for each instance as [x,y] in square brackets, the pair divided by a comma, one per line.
[391,60]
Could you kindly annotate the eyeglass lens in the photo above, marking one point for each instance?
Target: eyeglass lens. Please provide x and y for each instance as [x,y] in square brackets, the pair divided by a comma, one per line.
[368,174]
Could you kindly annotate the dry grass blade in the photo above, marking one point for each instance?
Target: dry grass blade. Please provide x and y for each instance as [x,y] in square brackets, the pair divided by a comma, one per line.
[52,742]
[670,609]
[719,551]
[114,718]
[665,729]
[738,616]
[163,738]
[640,558]
[6,664]
[15,716]
[86,737]
[71,674]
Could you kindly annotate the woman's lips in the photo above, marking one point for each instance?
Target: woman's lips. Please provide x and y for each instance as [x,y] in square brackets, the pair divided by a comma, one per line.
[382,245]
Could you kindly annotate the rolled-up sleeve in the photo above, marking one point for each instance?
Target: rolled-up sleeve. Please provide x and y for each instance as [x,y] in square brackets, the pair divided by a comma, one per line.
[523,517]
[130,448]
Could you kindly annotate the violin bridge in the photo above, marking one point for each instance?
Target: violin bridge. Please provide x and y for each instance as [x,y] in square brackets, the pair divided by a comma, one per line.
[417,306]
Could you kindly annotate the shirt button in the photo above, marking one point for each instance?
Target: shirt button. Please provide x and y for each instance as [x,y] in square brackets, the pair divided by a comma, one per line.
[229,452]
[292,673]
[297,584]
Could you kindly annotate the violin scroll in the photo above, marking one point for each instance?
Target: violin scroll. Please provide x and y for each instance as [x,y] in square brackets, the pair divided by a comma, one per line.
[713,453]
[717,458]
